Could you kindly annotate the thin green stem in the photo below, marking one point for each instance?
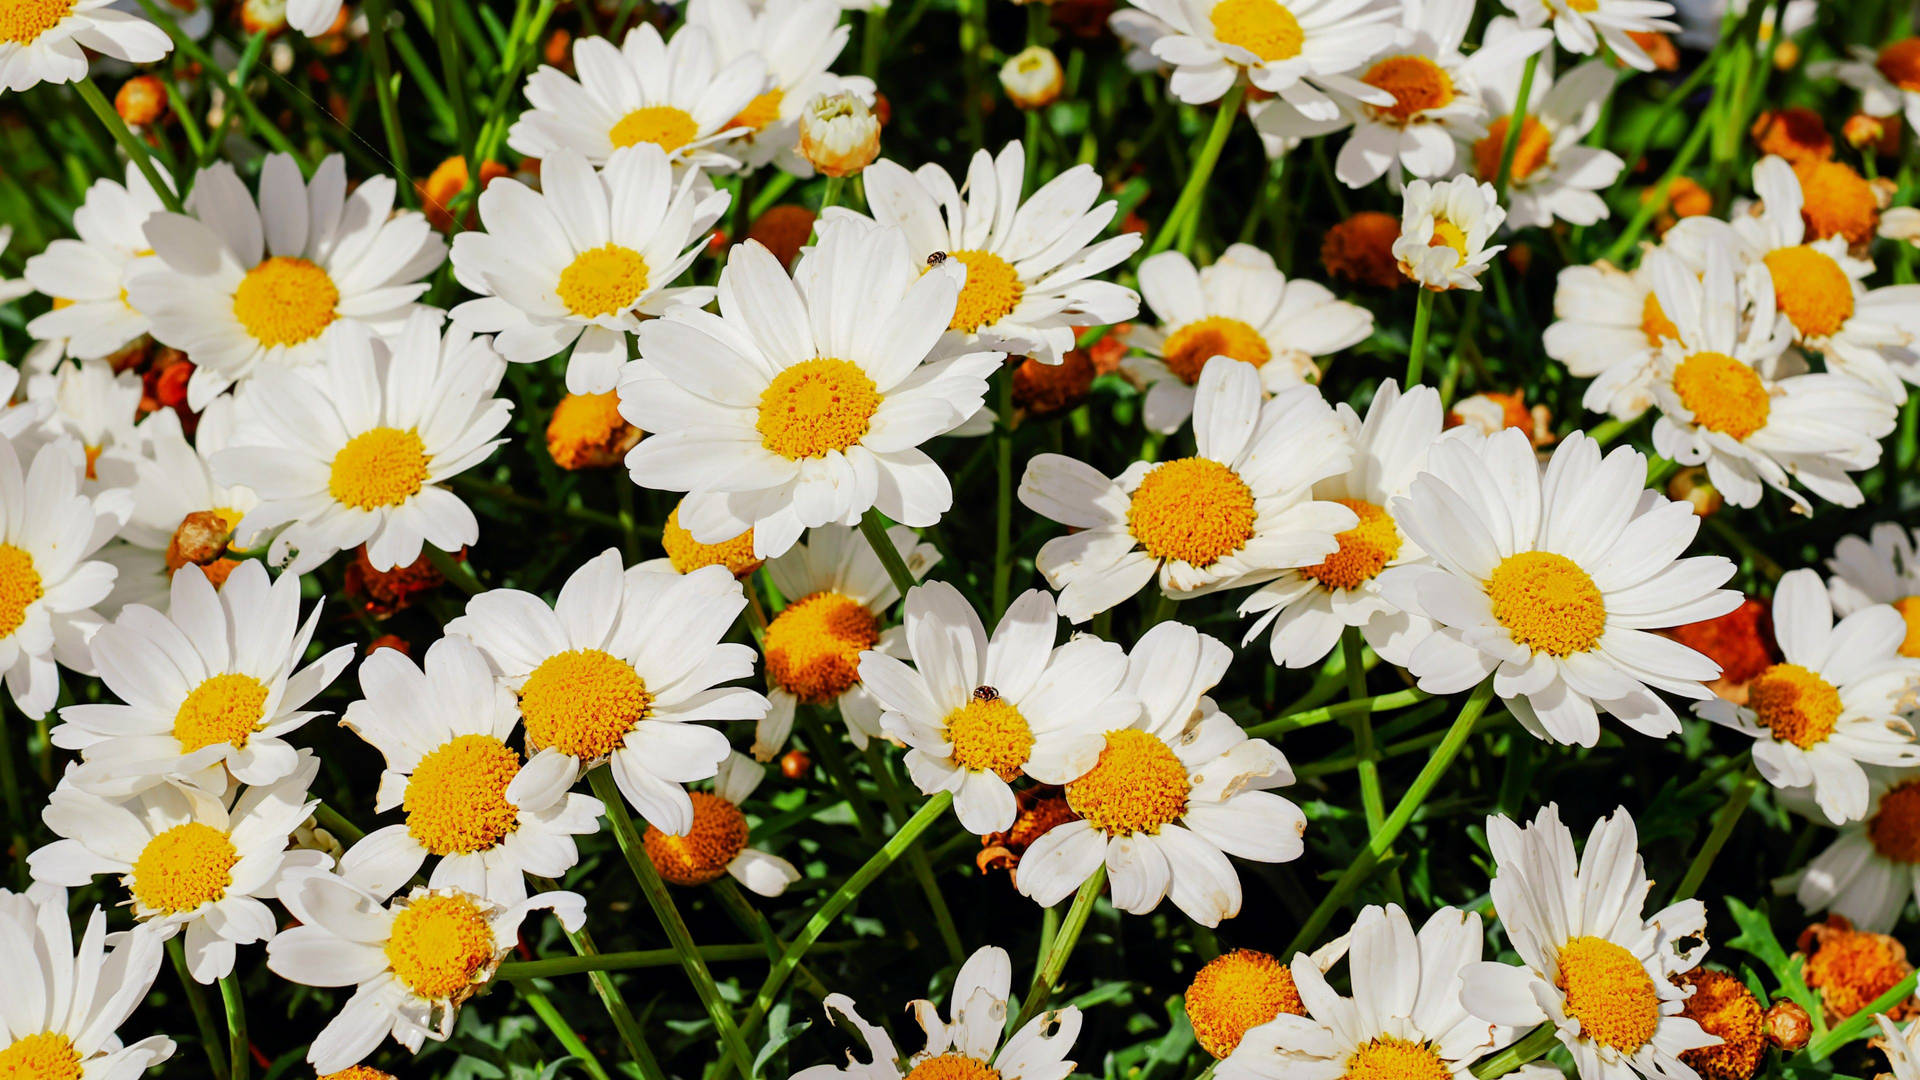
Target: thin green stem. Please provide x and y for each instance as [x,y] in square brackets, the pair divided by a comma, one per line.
[570,1039]
[748,918]
[458,571]
[1399,699]
[1417,351]
[917,862]
[378,15]
[330,819]
[1723,822]
[1534,1046]
[130,144]
[453,68]
[239,1057]
[586,963]
[1202,171]
[1360,721]
[874,527]
[1650,205]
[202,1012]
[616,1005]
[1516,120]
[1854,1026]
[1048,977]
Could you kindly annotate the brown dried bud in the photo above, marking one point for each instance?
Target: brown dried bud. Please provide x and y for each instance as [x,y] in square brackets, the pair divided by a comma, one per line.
[201,539]
[1788,1026]
[389,641]
[796,764]
[141,100]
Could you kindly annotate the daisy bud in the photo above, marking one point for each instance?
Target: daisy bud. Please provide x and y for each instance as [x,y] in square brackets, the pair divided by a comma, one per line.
[1786,55]
[1444,229]
[1235,993]
[1692,485]
[1796,133]
[202,540]
[558,50]
[1360,250]
[796,764]
[839,134]
[1722,1005]
[1788,1026]
[259,15]
[588,432]
[1901,223]
[1032,78]
[383,592]
[783,230]
[1050,389]
[141,100]
[1875,133]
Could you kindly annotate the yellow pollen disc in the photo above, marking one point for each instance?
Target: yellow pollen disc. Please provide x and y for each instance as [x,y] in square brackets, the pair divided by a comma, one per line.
[1900,63]
[23,21]
[1193,510]
[1390,1058]
[1797,704]
[359,1072]
[1547,603]
[456,799]
[952,1067]
[1237,992]
[760,112]
[665,126]
[992,291]
[606,280]
[1837,201]
[438,944]
[184,867]
[816,407]
[1365,549]
[1723,394]
[1584,7]
[1609,991]
[47,1056]
[1416,83]
[813,646]
[285,301]
[583,702]
[719,833]
[1448,235]
[1529,154]
[687,554]
[93,460]
[1909,609]
[1654,322]
[19,587]
[989,735]
[1264,28]
[1137,786]
[378,468]
[1188,349]
[1895,826]
[227,708]
[1812,289]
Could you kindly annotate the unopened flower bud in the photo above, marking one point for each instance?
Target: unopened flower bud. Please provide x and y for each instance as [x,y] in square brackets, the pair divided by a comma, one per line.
[1032,77]
[839,134]
[389,641]
[1692,485]
[795,764]
[1788,1026]
[141,100]
[201,539]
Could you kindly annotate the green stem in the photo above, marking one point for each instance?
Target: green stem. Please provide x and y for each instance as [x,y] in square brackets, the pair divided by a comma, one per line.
[537,1000]
[917,863]
[1723,822]
[1854,1026]
[455,570]
[135,150]
[874,527]
[453,68]
[1650,205]
[1003,493]
[239,1057]
[1373,805]
[1417,352]
[1048,977]
[1209,156]
[586,963]
[329,819]
[202,1012]
[1516,120]
[1532,1047]
[616,1006]
[830,195]
[378,15]
[1399,699]
[748,918]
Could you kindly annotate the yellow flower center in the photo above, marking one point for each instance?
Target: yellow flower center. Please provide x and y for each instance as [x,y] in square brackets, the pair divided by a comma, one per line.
[1654,322]
[1812,289]
[285,301]
[760,112]
[1909,609]
[1448,235]
[952,1067]
[19,587]
[1391,1058]
[377,468]
[719,833]
[1416,83]
[1723,1006]
[1547,603]
[1584,7]
[438,944]
[587,431]
[23,21]
[1609,991]
[456,799]
[49,1055]
[813,646]
[359,1072]
[1836,201]
[227,708]
[606,280]
[1365,549]
[583,702]
[184,867]
[1237,992]
[1796,703]
[1529,154]
[1895,825]
[664,126]
[1723,394]
[1188,349]
[687,554]
[1193,510]
[1900,63]
[992,291]
[989,735]
[1137,786]
[1264,28]
[816,407]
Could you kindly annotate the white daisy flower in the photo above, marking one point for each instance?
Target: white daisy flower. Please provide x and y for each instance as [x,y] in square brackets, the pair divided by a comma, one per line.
[838,594]
[1590,963]
[1172,794]
[582,260]
[88,276]
[805,401]
[1444,229]
[412,961]
[1730,400]
[1554,174]
[89,402]
[45,40]
[677,95]
[1308,608]
[1872,868]
[1888,79]
[1882,569]
[1581,25]
[1241,307]
[976,713]
[624,667]
[244,287]
[66,1006]
[1608,326]
[355,450]
[1298,49]
[18,416]
[798,41]
[1835,701]
[1551,581]
[313,17]
[968,1045]
[193,862]
[1901,1047]
[211,688]
[1030,265]
[1238,512]
[443,728]
[720,841]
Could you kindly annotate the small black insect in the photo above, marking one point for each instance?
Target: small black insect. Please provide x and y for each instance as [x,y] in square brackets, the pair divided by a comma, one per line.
[936,258]
[985,693]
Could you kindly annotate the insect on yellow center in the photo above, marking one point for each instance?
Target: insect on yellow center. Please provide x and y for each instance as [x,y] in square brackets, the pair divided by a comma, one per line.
[1390,1058]
[19,587]
[813,646]
[1900,63]
[1723,394]
[1547,603]
[665,126]
[1895,825]
[285,301]
[1909,609]
[1654,322]
[1137,786]
[1237,992]
[1192,510]
[1796,703]
[1529,154]
[183,867]
[1188,349]
[992,291]
[456,799]
[989,735]
[719,833]
[606,280]
[687,554]
[1264,28]
[1609,991]
[226,708]
[23,21]
[1812,289]
[439,944]
[379,468]
[816,407]
[760,112]
[952,1067]
[1416,83]
[583,702]
[46,1056]
[1365,549]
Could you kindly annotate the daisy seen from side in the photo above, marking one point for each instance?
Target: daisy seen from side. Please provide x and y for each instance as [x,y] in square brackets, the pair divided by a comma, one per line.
[1608,326]
[1444,229]
[1582,25]
[87,274]
[1871,869]
[720,842]
[1882,568]
[798,41]
[1887,78]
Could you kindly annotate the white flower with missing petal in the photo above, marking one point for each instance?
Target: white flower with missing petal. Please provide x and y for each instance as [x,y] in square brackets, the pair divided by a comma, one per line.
[1444,229]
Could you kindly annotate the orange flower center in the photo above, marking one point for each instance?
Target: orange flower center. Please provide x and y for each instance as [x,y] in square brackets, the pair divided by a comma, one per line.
[285,301]
[1547,603]
[989,735]
[1909,609]
[1188,349]
[813,646]
[1416,83]
[48,1055]
[1609,991]
[1812,289]
[439,944]
[1895,825]
[23,21]
[665,126]
[816,407]
[19,587]
[1900,63]
[1137,786]
[992,291]
[1723,394]
[1237,992]
[687,554]
[1529,154]
[760,112]
[719,833]
[1796,703]
[1365,549]
[1264,28]
[456,799]
[1837,201]
[1387,1057]
[1654,322]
